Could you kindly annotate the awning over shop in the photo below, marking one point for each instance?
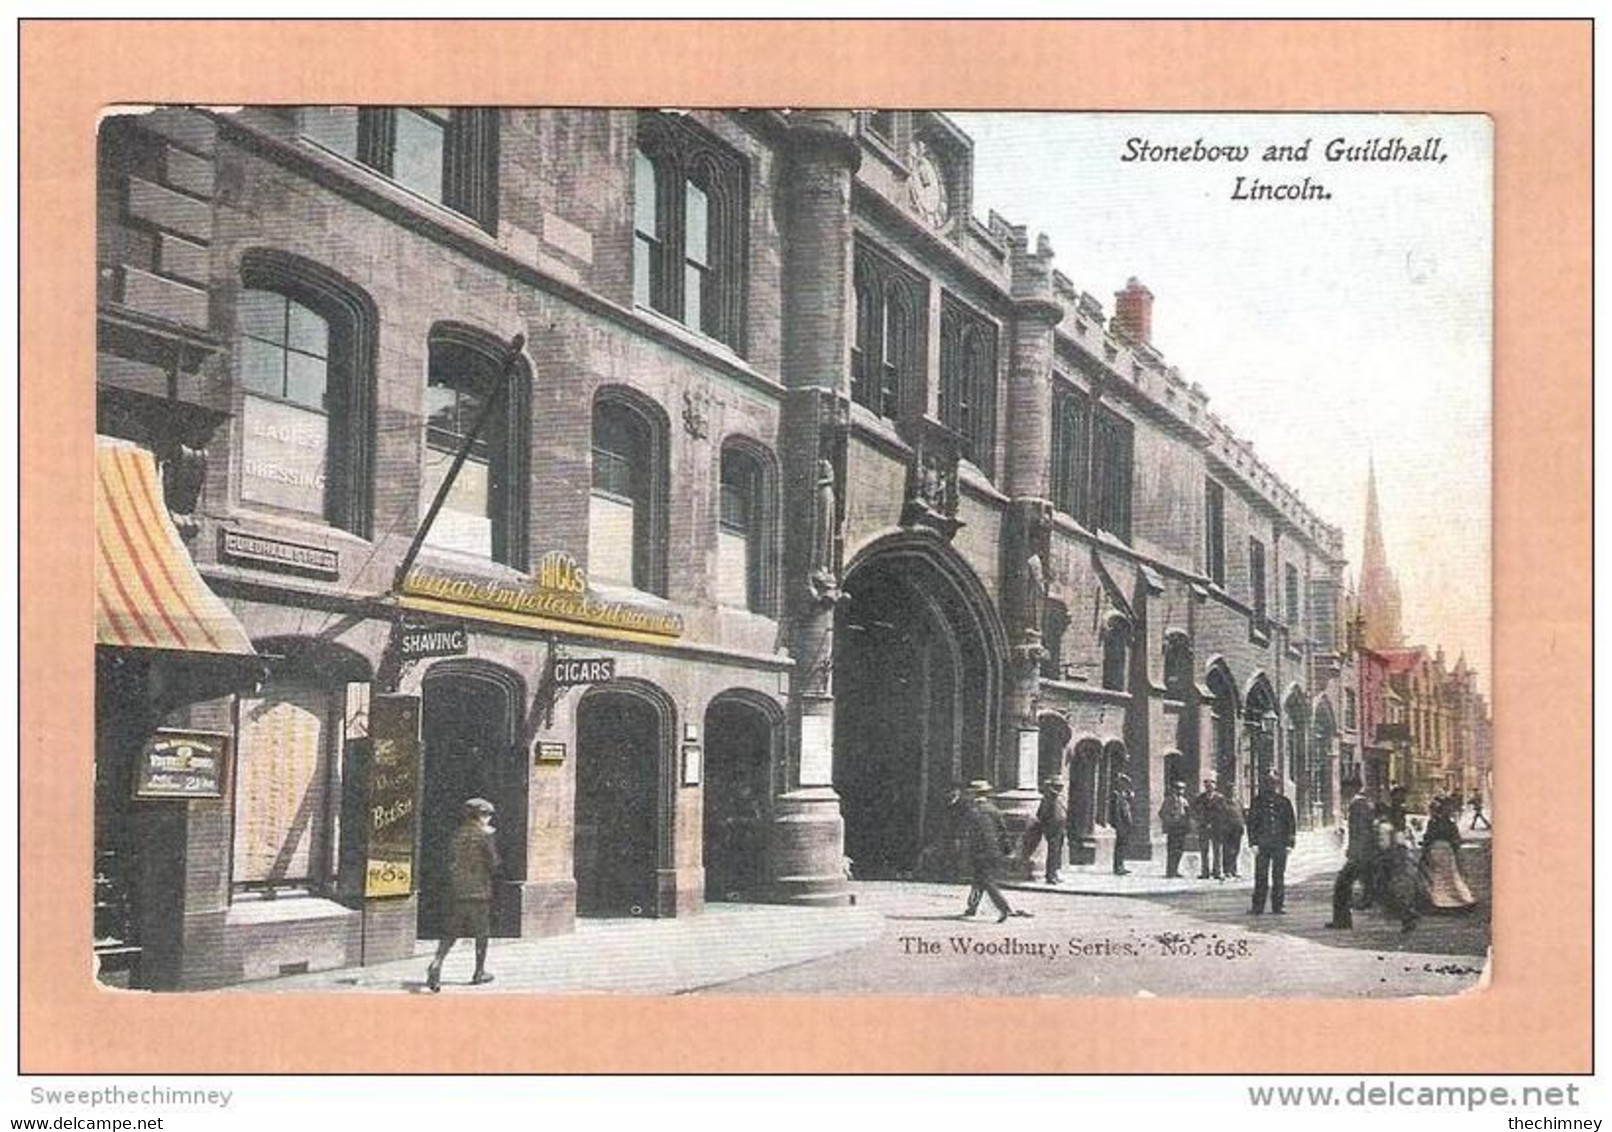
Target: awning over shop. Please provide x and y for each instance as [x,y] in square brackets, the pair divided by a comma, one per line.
[148,594]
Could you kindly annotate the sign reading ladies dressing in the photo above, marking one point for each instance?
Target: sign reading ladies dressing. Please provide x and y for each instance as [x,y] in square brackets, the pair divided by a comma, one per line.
[559,593]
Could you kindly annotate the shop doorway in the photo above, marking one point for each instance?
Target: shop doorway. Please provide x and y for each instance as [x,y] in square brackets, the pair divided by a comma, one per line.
[739,739]
[916,680]
[621,743]
[469,725]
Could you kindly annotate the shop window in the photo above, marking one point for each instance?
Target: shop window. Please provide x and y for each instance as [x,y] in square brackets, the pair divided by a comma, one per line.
[745,530]
[887,344]
[302,360]
[1214,532]
[626,518]
[689,218]
[968,381]
[484,513]
[445,154]
[286,786]
[1113,454]
[1071,448]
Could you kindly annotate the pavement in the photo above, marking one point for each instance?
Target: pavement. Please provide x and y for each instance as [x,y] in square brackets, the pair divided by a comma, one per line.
[1312,855]
[1136,935]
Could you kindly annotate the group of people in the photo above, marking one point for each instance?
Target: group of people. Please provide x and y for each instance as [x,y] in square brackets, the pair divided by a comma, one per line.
[1382,861]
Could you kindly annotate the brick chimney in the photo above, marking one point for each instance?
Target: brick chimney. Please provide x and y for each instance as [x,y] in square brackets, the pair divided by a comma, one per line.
[1133,312]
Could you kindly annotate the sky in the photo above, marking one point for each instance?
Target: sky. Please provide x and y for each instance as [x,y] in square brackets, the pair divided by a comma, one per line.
[1329,332]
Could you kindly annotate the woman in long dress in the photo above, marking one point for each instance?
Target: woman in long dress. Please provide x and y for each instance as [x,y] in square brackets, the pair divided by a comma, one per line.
[1443,887]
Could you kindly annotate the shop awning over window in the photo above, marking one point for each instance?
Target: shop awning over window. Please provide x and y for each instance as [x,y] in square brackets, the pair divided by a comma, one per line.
[148,594]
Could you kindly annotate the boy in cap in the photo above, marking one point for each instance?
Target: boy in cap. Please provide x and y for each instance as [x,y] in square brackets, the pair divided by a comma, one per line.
[1175,818]
[472,864]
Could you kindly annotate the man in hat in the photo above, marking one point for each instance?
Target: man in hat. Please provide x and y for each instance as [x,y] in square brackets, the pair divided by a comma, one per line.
[472,864]
[1175,818]
[1122,816]
[1051,822]
[1272,828]
[985,842]
[1206,811]
[1359,861]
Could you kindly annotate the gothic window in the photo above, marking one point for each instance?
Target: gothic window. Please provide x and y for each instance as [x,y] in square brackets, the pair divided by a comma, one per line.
[1256,580]
[445,154]
[484,512]
[1116,653]
[887,344]
[303,361]
[1113,447]
[1054,623]
[1071,448]
[746,528]
[1177,666]
[1214,532]
[690,212]
[1290,579]
[627,509]
[968,381]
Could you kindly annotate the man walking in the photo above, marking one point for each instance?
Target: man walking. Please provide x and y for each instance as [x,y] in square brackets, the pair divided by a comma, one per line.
[1358,862]
[1477,811]
[472,864]
[1122,816]
[1175,817]
[1271,830]
[1229,813]
[985,842]
[1211,838]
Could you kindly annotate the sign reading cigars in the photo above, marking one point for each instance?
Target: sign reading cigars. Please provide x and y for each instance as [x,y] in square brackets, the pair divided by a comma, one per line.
[394,777]
[559,593]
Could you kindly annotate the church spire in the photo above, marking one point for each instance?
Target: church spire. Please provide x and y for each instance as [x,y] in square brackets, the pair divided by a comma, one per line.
[1379,592]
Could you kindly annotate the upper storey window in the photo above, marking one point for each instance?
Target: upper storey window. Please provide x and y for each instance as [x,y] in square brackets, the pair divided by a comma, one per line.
[968,380]
[446,154]
[689,217]
[888,344]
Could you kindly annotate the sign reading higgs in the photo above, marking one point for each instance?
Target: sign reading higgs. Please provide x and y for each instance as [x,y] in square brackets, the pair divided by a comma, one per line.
[560,592]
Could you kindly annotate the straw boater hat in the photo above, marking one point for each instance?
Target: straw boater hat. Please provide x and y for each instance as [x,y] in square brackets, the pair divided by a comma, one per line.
[1053,783]
[474,807]
[979,786]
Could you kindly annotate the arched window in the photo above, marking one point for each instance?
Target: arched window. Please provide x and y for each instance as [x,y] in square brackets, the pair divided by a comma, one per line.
[626,517]
[1071,448]
[485,510]
[746,529]
[1054,622]
[887,345]
[1116,652]
[303,358]
[689,209]
[1177,665]
[968,380]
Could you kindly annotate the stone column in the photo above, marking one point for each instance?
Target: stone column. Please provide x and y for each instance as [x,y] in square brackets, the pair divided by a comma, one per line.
[806,843]
[1027,538]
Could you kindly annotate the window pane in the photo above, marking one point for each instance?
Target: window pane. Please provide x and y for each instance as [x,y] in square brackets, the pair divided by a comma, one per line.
[308,331]
[305,379]
[696,225]
[261,366]
[733,569]
[736,506]
[417,154]
[611,523]
[441,409]
[283,455]
[282,787]
[463,524]
[262,315]
[643,253]
[693,296]
[644,196]
[334,127]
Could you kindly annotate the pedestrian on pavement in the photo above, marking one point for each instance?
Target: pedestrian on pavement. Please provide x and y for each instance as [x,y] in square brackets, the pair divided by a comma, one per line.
[985,845]
[1271,830]
[1229,815]
[1358,857]
[472,864]
[1122,816]
[1175,818]
[1444,889]
[1051,822]
[1211,837]
[1477,811]
[1397,882]
[1396,810]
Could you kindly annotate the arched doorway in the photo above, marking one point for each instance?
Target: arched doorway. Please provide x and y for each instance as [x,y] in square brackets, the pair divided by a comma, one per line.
[470,716]
[1223,714]
[1083,776]
[740,737]
[1323,760]
[1054,749]
[1296,732]
[623,734]
[1259,715]
[917,678]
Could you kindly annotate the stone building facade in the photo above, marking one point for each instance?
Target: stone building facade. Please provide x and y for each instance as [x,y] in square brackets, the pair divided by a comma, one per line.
[860,495]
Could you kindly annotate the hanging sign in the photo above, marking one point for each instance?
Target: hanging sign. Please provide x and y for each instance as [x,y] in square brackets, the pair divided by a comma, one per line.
[570,670]
[418,641]
[394,782]
[182,764]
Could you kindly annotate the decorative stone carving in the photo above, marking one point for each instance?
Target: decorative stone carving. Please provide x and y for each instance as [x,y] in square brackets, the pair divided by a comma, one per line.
[696,413]
[824,577]
[932,480]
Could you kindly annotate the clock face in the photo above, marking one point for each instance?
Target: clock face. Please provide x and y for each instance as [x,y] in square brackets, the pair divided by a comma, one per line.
[928,185]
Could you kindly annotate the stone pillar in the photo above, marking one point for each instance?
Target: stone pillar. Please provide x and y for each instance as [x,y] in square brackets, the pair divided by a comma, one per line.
[806,842]
[1027,538]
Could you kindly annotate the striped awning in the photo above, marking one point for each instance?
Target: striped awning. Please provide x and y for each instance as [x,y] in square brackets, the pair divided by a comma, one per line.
[148,594]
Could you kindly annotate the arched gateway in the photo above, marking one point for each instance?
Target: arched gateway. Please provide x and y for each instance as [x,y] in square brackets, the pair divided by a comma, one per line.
[918,670]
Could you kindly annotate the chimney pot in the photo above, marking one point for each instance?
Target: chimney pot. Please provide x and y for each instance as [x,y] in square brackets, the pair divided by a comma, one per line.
[1133,311]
